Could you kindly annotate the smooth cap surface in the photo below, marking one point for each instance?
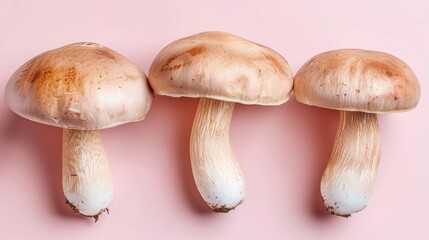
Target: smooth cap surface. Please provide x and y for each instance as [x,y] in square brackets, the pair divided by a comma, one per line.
[80,86]
[221,66]
[357,80]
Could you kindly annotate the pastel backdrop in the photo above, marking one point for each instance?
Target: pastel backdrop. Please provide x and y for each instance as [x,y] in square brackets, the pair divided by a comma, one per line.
[282,150]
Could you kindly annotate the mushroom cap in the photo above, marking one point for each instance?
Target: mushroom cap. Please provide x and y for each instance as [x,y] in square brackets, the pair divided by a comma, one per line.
[357,80]
[79,86]
[221,66]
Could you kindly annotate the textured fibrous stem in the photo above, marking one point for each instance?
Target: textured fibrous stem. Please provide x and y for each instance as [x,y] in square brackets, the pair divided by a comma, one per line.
[217,174]
[349,177]
[87,181]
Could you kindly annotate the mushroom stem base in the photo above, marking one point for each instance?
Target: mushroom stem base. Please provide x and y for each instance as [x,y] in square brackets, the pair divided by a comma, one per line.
[217,174]
[349,177]
[87,182]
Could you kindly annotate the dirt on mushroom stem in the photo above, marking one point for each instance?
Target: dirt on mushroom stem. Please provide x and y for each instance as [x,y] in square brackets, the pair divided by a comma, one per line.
[223,208]
[96,217]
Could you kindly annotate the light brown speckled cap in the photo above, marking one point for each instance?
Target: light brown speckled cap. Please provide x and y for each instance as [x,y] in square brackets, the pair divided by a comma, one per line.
[224,67]
[79,86]
[357,80]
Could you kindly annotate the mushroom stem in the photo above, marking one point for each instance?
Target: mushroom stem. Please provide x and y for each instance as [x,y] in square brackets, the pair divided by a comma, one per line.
[349,177]
[217,174]
[87,182]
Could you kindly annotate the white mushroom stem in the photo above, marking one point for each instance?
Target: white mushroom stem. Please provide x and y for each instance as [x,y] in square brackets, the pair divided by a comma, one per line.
[217,174]
[349,177]
[87,182]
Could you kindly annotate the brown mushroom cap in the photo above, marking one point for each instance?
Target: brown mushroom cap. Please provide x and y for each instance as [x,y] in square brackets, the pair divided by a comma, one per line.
[357,80]
[79,86]
[221,66]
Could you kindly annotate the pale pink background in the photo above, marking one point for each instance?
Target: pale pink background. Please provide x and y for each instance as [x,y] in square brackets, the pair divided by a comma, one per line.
[282,150]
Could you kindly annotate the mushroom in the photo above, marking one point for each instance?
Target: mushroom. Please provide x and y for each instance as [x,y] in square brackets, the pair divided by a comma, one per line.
[361,84]
[82,87]
[221,69]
